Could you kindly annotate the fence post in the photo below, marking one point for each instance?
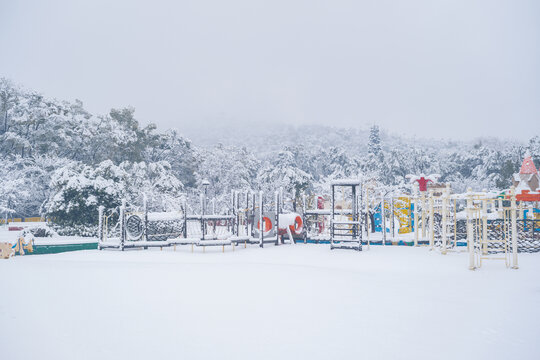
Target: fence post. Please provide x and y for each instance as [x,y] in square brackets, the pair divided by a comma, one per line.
[514,229]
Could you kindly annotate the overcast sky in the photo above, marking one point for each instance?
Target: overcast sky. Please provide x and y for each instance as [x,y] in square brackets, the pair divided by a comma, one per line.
[427,68]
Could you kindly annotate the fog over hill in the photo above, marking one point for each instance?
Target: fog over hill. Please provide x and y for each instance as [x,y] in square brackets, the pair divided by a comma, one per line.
[61,160]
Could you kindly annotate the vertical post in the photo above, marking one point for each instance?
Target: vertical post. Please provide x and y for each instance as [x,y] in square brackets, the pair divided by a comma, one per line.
[304,230]
[253,204]
[415,217]
[333,215]
[431,223]
[246,212]
[455,223]
[470,232]
[277,203]
[203,223]
[280,197]
[383,221]
[145,209]
[261,220]
[392,225]
[484,224]
[122,225]
[100,225]
[444,219]
[359,210]
[184,205]
[353,210]
[514,229]
[237,213]
[423,214]
[368,222]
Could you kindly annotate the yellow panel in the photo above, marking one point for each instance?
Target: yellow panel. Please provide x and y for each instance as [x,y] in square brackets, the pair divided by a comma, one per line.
[33,219]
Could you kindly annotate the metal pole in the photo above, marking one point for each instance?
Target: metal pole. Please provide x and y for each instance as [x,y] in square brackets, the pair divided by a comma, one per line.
[368,222]
[415,217]
[431,214]
[392,222]
[484,224]
[122,225]
[353,208]
[360,218]
[145,209]
[444,216]
[253,202]
[470,235]
[203,223]
[184,205]
[277,202]
[332,218]
[100,225]
[237,213]
[383,221]
[514,229]
[304,230]
[261,220]
[423,214]
[246,212]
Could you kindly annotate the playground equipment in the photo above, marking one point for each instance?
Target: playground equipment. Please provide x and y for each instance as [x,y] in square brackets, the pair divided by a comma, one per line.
[21,247]
[346,234]
[6,250]
[247,223]
[484,224]
[398,209]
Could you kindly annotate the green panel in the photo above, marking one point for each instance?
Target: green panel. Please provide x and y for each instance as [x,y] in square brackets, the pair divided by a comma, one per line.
[53,249]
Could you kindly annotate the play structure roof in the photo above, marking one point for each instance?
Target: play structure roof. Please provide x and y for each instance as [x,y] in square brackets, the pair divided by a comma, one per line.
[346,182]
[528,166]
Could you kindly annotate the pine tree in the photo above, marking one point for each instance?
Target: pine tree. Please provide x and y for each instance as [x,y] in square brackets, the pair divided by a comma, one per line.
[374,144]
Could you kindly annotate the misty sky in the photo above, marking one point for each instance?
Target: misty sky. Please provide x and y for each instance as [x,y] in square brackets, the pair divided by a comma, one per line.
[428,68]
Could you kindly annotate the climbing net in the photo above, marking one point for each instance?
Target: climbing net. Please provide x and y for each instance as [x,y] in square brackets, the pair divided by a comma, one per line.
[156,230]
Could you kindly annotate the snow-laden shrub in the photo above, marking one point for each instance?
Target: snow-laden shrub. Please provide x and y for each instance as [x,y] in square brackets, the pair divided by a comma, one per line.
[41,231]
[75,230]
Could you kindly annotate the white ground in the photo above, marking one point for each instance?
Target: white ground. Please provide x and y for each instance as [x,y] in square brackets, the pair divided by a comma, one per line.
[288,302]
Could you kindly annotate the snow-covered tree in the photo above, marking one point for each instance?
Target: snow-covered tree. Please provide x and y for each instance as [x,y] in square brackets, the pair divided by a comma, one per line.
[374,144]
[283,173]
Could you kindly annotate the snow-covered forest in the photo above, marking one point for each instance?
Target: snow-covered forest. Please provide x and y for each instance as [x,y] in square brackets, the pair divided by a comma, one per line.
[60,161]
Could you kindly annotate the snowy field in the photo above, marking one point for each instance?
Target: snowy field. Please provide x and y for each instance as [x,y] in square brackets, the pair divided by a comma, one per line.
[288,302]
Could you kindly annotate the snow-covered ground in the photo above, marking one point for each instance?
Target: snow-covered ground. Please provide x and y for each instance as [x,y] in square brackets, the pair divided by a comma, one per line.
[288,302]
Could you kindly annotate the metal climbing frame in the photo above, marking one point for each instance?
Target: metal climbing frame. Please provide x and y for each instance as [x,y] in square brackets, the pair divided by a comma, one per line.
[346,234]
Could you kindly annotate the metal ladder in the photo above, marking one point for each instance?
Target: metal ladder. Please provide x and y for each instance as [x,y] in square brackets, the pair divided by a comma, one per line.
[346,234]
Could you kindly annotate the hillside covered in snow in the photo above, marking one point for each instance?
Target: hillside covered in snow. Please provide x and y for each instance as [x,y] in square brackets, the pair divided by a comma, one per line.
[61,161]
